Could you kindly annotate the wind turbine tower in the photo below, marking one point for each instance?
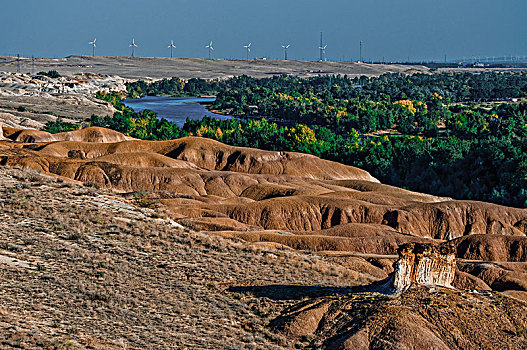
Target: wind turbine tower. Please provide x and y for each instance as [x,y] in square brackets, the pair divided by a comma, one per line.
[248,47]
[285,47]
[92,43]
[133,46]
[211,48]
[323,51]
[171,47]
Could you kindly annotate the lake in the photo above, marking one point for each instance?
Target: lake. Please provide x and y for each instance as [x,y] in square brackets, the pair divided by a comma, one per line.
[174,109]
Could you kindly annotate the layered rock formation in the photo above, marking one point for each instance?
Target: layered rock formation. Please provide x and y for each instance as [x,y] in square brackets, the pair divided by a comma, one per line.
[424,264]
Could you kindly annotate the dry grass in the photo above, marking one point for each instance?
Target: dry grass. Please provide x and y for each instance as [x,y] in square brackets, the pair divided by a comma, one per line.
[104,274]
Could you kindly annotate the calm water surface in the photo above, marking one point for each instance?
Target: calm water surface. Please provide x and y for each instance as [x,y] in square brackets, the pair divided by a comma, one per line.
[174,109]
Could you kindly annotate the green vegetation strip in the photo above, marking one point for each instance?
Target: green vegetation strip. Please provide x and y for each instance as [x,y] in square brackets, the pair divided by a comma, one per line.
[458,135]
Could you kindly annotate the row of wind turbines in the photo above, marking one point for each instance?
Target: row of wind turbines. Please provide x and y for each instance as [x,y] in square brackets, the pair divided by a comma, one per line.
[210,46]
[322,49]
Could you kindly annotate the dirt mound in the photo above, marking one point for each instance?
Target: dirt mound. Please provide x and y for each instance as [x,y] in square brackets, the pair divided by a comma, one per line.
[265,191]
[518,295]
[367,245]
[213,155]
[386,190]
[145,160]
[91,134]
[354,230]
[453,219]
[492,248]
[499,276]
[418,319]
[429,220]
[463,280]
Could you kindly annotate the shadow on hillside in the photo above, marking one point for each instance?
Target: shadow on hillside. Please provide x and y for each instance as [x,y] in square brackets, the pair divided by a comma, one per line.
[296,292]
[289,292]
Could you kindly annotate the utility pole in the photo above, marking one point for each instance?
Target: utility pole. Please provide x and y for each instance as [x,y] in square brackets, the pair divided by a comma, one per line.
[32,65]
[18,63]
[360,51]
[321,45]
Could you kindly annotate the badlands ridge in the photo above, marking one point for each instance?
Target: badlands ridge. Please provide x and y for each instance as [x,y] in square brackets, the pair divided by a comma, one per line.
[297,202]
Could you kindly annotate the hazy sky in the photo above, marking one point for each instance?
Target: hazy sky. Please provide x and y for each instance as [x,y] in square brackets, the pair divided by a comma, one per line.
[396,29]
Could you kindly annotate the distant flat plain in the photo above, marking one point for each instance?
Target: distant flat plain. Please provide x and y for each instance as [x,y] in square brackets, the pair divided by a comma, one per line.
[186,68]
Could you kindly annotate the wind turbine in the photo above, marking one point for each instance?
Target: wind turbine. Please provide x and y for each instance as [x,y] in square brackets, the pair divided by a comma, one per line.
[285,47]
[92,43]
[211,48]
[323,50]
[133,46]
[171,47]
[248,47]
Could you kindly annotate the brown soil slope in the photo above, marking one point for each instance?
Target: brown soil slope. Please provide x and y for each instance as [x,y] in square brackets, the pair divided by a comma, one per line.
[349,224]
[418,319]
[91,134]
[82,268]
[259,190]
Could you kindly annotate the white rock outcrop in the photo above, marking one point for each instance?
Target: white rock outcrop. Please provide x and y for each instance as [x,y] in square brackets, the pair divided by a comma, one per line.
[424,264]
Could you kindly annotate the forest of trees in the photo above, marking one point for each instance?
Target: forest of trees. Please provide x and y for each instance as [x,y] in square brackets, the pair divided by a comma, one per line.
[438,134]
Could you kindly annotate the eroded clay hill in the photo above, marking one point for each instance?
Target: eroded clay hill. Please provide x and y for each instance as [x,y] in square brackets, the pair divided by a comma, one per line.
[291,201]
[201,178]
[287,198]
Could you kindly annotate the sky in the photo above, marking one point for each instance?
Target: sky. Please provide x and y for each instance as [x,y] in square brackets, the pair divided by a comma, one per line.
[398,30]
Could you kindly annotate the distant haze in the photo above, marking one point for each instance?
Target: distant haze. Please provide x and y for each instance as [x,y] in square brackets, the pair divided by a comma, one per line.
[396,30]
